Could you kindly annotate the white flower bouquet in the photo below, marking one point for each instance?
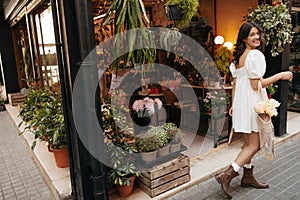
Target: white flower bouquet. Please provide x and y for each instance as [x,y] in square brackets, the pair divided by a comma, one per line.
[268,106]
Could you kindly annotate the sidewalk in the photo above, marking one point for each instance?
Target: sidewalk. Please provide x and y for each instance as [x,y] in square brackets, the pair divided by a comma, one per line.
[202,167]
[283,175]
[20,178]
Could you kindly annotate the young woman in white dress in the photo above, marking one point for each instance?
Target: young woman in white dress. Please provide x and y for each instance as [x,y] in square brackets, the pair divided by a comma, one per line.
[247,68]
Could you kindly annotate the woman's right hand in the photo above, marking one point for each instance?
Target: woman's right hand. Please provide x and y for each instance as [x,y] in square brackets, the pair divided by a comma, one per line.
[286,76]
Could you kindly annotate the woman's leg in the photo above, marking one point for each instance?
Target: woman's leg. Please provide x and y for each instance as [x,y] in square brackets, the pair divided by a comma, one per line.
[248,179]
[246,143]
[250,148]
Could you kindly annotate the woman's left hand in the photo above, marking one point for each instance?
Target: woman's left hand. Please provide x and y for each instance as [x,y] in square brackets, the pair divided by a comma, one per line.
[230,111]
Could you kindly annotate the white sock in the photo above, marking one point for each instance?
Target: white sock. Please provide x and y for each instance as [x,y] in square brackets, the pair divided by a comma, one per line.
[235,166]
[248,166]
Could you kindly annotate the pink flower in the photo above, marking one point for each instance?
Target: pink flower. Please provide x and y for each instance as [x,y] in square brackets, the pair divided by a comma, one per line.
[146,107]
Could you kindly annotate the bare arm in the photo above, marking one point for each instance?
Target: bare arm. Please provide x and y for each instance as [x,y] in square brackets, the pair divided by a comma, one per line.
[232,96]
[268,81]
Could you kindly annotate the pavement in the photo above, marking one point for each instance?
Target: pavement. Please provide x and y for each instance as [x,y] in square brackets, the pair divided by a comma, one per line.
[20,178]
[282,174]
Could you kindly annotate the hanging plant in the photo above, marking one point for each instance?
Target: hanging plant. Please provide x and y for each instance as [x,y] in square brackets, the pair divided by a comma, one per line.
[188,9]
[276,24]
[131,14]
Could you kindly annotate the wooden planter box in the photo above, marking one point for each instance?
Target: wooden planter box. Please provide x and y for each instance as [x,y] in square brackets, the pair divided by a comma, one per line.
[166,176]
[16,99]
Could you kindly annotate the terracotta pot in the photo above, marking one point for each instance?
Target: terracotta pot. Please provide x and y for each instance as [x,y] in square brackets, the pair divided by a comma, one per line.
[125,190]
[61,157]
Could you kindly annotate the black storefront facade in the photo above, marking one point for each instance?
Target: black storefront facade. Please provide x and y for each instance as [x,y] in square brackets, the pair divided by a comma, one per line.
[74,40]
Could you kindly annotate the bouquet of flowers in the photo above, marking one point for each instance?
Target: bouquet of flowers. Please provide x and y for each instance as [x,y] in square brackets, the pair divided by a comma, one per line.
[268,106]
[147,106]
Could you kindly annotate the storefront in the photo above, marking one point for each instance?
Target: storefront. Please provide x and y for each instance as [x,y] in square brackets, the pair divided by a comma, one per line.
[51,40]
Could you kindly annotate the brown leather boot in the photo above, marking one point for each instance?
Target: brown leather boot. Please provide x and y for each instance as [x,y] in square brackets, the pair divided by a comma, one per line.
[224,178]
[248,180]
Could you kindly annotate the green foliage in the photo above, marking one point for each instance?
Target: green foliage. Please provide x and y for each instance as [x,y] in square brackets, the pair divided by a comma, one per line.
[175,135]
[223,58]
[188,8]
[42,114]
[276,24]
[119,138]
[131,14]
[147,142]
[123,168]
[271,89]
[158,136]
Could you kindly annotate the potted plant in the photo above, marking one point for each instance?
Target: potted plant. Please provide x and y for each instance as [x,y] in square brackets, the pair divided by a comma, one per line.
[42,114]
[187,8]
[119,141]
[163,139]
[271,89]
[276,24]
[36,111]
[147,145]
[217,100]
[123,170]
[2,102]
[142,110]
[175,136]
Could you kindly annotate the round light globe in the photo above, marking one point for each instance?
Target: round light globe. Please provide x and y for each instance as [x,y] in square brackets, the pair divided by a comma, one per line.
[219,40]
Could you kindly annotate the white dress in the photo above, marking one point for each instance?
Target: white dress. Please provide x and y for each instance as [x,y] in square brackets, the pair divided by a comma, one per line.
[244,118]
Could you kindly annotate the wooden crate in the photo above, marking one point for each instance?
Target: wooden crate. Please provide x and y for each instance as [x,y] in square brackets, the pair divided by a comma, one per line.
[16,99]
[166,176]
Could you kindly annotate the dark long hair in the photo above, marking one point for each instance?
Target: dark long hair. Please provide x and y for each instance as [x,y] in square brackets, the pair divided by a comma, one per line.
[240,45]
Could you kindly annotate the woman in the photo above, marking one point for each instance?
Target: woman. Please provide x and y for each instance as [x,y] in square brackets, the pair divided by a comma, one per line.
[248,68]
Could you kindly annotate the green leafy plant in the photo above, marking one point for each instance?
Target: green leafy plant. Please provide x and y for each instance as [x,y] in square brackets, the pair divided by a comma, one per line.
[223,58]
[147,142]
[271,89]
[123,168]
[42,114]
[188,8]
[276,24]
[131,14]
[119,138]
[175,135]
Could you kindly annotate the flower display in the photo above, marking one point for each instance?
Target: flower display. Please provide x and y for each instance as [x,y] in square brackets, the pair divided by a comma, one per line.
[216,99]
[147,106]
[171,84]
[269,107]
